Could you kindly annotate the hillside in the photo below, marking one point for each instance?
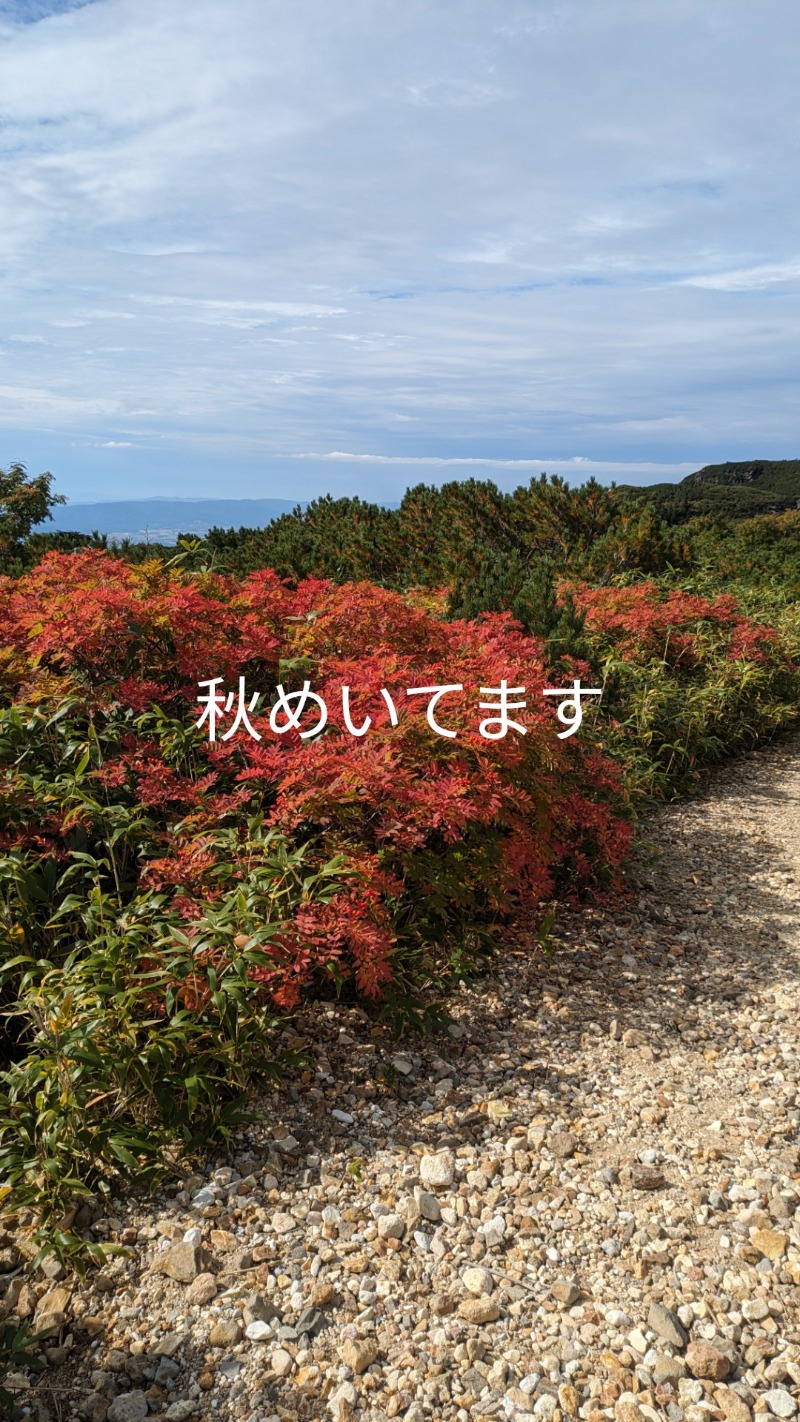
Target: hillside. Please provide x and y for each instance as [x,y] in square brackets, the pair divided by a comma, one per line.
[735,490]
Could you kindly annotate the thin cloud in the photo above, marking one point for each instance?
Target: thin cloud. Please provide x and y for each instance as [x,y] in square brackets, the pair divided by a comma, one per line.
[748,278]
[577,462]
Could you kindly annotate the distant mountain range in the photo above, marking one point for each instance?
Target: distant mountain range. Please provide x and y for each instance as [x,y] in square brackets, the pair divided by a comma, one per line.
[731,489]
[162,520]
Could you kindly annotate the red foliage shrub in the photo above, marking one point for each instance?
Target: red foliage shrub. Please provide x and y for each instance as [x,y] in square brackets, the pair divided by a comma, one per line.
[646,620]
[441,837]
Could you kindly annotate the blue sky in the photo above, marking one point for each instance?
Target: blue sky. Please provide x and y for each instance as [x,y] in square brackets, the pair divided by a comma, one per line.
[271,249]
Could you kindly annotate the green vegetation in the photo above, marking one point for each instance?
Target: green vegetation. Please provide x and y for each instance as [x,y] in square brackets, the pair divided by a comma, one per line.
[731,490]
[165,903]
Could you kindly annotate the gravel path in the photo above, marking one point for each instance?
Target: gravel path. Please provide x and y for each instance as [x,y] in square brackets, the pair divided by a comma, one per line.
[583,1201]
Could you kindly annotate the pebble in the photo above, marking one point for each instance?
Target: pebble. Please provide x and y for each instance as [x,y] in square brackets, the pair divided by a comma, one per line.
[705,1361]
[358,1353]
[128,1407]
[281,1362]
[202,1289]
[780,1402]
[667,1325]
[183,1262]
[437,1171]
[479,1310]
[477,1280]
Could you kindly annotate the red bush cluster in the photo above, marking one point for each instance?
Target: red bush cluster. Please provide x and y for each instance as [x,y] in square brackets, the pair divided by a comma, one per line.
[646,620]
[437,835]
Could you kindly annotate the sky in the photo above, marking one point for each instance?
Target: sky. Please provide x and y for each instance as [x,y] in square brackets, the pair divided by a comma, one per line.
[263,249]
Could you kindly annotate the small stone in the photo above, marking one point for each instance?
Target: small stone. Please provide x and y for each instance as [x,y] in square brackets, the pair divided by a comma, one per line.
[479,1311]
[308,1377]
[668,1370]
[51,1310]
[358,1353]
[780,1402]
[705,1361]
[181,1410]
[343,1403]
[566,1292]
[204,1197]
[667,1325]
[224,1241]
[429,1206]
[345,1119]
[634,1038]
[732,1405]
[287,1145]
[493,1231]
[283,1224]
[323,1294]
[128,1407]
[183,1262]
[545,1406]
[769,1242]
[638,1341]
[627,1409]
[437,1171]
[225,1333]
[310,1323]
[390,1227]
[258,1330]
[563,1144]
[477,1281]
[568,1399]
[647,1177]
[258,1309]
[415,1413]
[202,1289]
[281,1362]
